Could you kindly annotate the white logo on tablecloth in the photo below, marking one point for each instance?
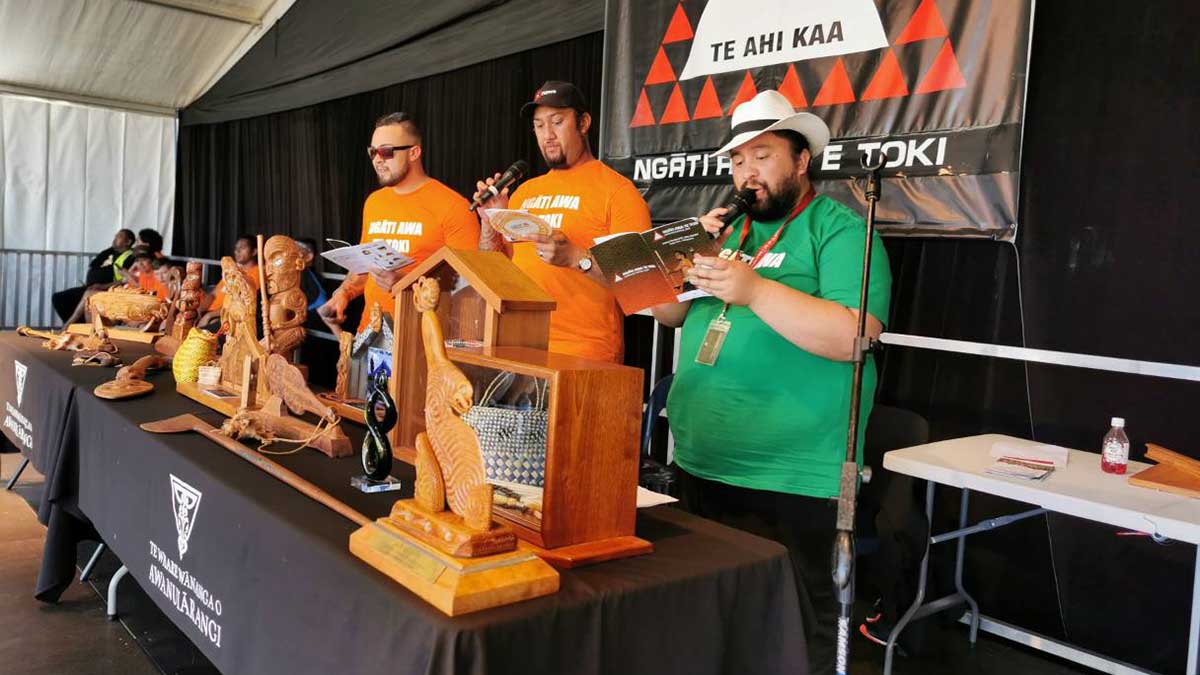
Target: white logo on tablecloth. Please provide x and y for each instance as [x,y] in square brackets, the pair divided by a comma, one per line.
[20,370]
[185,500]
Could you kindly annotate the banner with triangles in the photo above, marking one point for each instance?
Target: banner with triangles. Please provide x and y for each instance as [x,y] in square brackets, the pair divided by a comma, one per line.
[936,86]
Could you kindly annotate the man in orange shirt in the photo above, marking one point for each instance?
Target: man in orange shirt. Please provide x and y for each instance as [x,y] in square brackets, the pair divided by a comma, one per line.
[582,199]
[413,213]
[245,253]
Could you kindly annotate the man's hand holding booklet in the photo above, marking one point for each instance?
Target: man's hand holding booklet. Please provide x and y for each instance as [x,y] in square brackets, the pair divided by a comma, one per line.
[644,269]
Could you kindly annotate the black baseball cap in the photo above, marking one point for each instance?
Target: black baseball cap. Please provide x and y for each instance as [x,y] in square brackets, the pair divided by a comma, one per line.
[556,94]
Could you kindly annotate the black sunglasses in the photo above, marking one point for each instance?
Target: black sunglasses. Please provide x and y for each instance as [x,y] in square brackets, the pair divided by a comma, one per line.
[386,152]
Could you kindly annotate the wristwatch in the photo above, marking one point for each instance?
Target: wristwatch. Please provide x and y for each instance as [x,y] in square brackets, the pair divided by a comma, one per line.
[585,264]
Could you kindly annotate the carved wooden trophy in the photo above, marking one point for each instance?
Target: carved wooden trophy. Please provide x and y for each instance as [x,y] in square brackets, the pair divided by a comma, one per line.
[287,306]
[355,374]
[479,562]
[258,383]
[184,311]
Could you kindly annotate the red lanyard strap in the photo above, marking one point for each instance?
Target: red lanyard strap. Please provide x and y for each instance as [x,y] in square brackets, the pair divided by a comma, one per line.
[770,243]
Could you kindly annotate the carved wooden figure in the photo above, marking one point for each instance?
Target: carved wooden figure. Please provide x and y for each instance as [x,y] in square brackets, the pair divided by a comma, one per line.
[289,391]
[345,342]
[287,304]
[449,464]
[237,320]
[187,305]
[452,447]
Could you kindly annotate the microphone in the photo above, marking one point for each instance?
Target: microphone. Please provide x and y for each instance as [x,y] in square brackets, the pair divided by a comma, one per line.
[514,173]
[740,203]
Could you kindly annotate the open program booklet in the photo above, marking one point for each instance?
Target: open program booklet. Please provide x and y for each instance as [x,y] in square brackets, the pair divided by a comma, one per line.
[650,268]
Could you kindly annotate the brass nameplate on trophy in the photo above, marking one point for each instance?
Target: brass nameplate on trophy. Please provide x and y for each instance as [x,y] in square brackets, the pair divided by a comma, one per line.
[407,555]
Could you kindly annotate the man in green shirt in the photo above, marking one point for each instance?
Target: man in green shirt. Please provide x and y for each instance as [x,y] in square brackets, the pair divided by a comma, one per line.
[759,405]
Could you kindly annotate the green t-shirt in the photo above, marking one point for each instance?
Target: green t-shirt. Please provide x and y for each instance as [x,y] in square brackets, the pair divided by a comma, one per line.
[769,415]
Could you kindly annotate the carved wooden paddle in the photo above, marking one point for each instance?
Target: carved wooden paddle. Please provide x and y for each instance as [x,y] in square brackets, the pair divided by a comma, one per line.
[181,423]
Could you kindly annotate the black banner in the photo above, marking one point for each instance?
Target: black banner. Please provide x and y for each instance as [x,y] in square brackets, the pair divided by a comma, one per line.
[936,86]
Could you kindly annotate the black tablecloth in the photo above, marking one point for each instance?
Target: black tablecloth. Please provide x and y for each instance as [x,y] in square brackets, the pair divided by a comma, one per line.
[38,393]
[267,584]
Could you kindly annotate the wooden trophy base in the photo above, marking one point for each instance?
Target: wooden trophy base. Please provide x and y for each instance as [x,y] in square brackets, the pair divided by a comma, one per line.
[115,333]
[333,443]
[453,585]
[225,405]
[446,531]
[592,552]
[344,410]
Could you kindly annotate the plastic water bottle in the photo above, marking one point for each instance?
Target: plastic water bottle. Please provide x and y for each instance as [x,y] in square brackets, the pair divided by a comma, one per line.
[1114,454]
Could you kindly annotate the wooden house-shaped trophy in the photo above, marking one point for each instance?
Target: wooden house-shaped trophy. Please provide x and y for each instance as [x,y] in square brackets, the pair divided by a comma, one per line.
[559,434]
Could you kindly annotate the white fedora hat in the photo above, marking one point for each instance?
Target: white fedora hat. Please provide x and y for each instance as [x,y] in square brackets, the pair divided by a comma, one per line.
[771,111]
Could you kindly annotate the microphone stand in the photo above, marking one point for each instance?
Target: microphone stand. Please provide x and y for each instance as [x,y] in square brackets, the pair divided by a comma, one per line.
[843,546]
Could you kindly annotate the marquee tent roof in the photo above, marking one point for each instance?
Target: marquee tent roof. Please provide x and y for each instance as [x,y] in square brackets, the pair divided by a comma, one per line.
[145,55]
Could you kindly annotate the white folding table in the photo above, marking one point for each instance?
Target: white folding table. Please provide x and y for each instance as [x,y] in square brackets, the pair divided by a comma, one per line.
[1080,489]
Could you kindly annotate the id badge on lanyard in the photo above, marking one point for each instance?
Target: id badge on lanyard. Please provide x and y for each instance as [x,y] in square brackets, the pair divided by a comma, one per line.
[718,328]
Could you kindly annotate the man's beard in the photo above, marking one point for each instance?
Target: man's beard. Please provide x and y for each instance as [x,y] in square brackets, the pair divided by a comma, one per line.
[779,201]
[393,177]
[558,161]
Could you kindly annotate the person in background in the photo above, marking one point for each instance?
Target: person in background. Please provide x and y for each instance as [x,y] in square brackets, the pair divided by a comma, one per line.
[314,290]
[244,254]
[102,272]
[151,242]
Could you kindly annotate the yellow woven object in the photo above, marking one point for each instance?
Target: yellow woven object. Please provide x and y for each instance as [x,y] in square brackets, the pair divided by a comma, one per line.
[199,348]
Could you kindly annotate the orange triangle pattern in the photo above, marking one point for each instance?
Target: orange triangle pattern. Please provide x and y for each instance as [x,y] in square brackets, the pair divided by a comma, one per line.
[745,92]
[790,87]
[661,71]
[943,74]
[708,105]
[926,23]
[836,89]
[676,109]
[888,81]
[680,29]
[643,116]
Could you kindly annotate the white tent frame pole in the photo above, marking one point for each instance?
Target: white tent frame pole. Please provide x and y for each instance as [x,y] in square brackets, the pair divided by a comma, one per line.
[83,99]
[206,9]
[1106,363]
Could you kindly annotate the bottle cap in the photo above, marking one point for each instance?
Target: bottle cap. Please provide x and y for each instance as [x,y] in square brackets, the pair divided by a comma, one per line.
[1118,421]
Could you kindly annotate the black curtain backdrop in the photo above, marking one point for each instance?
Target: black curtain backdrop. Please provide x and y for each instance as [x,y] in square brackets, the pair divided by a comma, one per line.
[1102,265]
[305,172]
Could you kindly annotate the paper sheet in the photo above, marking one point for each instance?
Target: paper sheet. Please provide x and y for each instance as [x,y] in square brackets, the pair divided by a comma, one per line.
[361,258]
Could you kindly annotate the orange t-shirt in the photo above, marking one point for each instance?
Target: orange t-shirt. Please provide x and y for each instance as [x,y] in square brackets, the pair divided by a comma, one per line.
[150,282]
[584,202]
[416,224]
[251,274]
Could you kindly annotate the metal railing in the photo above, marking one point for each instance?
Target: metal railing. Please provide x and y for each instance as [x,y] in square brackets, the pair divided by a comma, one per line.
[29,278]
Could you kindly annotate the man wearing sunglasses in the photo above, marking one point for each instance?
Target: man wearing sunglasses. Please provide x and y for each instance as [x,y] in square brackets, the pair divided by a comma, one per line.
[413,213]
[582,199]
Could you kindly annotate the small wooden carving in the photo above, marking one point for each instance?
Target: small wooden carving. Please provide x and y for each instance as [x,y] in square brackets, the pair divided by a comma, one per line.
[96,339]
[187,305]
[345,342]
[237,321]
[130,306]
[131,380]
[289,391]
[449,464]
[95,358]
